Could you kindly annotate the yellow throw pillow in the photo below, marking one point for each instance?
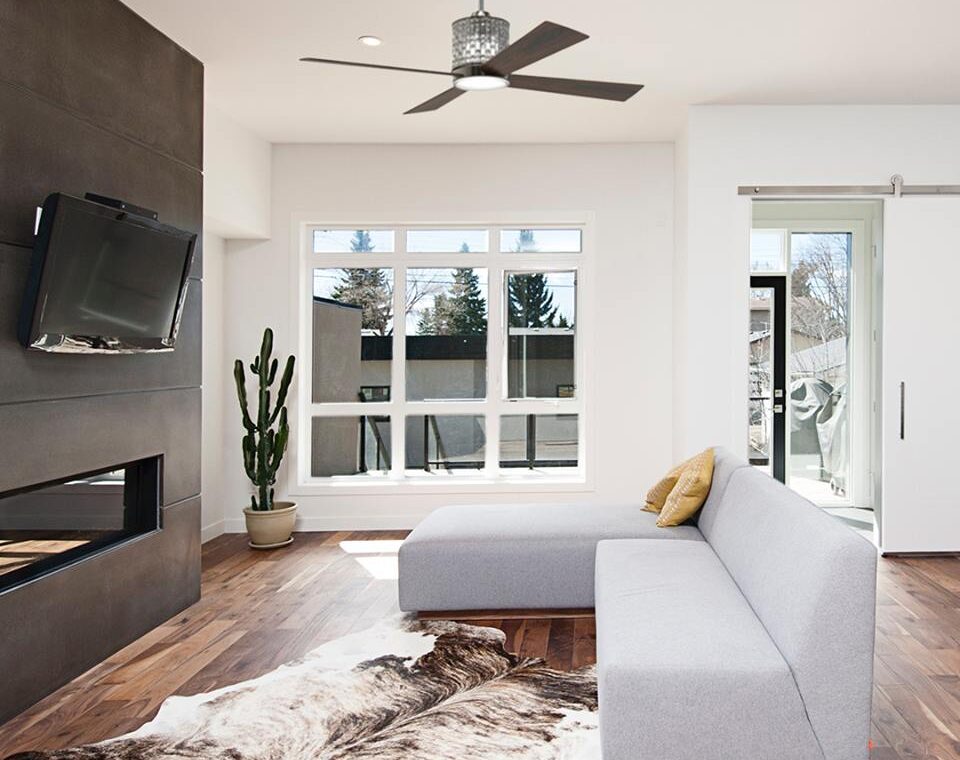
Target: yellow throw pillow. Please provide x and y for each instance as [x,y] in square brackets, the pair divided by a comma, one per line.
[690,492]
[657,495]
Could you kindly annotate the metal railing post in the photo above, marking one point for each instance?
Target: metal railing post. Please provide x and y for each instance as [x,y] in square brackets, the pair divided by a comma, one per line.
[363,444]
[531,440]
[426,442]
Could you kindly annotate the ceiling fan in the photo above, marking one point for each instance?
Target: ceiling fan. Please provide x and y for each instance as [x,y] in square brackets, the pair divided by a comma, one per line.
[484,59]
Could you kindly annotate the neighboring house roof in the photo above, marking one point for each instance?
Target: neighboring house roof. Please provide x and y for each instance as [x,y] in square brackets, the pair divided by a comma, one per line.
[334,302]
[817,358]
[820,357]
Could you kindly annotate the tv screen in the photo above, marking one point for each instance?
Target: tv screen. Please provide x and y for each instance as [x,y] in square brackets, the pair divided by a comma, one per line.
[104,280]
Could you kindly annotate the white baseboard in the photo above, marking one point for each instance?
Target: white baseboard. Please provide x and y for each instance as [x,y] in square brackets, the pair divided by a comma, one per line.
[312,524]
[212,531]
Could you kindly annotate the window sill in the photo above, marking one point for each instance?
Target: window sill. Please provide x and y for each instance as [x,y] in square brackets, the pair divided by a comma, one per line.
[445,483]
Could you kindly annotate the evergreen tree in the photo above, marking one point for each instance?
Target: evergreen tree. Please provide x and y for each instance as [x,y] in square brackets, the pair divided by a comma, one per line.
[468,306]
[427,324]
[526,242]
[367,288]
[461,312]
[530,302]
[361,242]
[436,320]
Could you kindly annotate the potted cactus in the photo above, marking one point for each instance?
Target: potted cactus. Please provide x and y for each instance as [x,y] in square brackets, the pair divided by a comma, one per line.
[269,523]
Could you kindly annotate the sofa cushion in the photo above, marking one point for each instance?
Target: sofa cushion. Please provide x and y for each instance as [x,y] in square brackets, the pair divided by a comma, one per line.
[515,556]
[690,492]
[685,668]
[658,493]
[812,582]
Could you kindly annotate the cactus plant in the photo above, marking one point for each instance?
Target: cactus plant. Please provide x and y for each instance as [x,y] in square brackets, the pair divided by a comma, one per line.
[265,438]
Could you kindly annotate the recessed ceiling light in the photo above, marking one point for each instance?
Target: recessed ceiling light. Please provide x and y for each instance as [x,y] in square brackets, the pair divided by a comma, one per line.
[369,40]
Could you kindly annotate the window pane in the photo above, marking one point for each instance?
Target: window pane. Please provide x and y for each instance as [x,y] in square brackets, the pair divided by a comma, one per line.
[538,440]
[541,316]
[352,333]
[446,334]
[768,249]
[540,241]
[353,241]
[447,241]
[819,391]
[349,445]
[445,442]
[761,376]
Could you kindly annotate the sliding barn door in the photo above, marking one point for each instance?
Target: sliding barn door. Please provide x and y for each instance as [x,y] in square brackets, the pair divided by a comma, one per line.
[921,375]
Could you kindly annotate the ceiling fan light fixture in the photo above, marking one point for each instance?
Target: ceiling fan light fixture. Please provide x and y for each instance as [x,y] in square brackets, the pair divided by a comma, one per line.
[477,38]
[473,82]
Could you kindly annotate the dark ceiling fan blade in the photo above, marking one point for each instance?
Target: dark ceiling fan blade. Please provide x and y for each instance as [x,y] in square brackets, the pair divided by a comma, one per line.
[375,66]
[582,87]
[544,40]
[437,101]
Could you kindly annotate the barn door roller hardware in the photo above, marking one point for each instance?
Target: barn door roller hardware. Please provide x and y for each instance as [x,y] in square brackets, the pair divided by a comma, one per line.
[895,189]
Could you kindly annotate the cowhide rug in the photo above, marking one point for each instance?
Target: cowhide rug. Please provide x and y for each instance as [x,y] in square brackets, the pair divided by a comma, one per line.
[402,689]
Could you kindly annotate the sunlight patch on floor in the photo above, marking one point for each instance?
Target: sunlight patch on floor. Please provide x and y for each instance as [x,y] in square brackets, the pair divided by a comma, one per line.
[378,558]
[370,547]
[380,568]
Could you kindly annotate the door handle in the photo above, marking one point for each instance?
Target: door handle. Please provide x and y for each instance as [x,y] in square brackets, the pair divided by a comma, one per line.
[902,408]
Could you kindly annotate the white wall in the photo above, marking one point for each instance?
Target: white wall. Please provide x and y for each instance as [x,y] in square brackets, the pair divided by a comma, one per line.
[215,375]
[629,188]
[236,178]
[236,204]
[679,315]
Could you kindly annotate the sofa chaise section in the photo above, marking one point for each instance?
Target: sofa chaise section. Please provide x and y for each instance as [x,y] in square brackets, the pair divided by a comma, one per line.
[515,556]
[527,556]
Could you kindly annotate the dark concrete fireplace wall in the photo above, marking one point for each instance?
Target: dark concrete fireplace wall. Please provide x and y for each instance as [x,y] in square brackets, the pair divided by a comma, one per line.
[94,99]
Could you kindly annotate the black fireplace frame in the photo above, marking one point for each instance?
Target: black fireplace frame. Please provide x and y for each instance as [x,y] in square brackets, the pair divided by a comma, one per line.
[142,517]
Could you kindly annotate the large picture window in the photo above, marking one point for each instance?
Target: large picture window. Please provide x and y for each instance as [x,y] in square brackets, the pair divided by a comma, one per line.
[441,353]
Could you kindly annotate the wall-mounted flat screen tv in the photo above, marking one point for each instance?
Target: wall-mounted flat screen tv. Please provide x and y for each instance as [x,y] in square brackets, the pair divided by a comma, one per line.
[104,280]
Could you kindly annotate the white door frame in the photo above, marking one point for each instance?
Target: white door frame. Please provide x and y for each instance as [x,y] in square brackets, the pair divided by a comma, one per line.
[858,218]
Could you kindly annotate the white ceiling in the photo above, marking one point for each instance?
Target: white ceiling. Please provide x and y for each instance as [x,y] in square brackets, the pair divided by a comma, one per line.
[685,51]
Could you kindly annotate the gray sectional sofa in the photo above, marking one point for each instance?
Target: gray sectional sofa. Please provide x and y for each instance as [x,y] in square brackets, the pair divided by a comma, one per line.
[748,636]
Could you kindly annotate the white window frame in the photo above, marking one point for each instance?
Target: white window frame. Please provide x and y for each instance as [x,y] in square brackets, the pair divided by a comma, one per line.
[491,479]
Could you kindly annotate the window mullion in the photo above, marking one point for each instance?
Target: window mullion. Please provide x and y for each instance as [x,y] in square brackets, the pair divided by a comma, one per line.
[495,365]
[398,393]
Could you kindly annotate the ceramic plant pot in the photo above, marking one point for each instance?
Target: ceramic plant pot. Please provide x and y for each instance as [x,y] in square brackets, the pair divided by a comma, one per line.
[269,529]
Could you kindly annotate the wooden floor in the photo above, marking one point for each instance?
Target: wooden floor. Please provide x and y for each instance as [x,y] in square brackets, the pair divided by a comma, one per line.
[261,609]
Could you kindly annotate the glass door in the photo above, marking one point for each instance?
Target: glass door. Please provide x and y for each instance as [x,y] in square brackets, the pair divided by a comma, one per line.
[813,347]
[819,464]
[767,353]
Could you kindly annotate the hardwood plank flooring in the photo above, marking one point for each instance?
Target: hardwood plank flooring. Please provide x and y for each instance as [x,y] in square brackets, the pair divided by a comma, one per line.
[260,609]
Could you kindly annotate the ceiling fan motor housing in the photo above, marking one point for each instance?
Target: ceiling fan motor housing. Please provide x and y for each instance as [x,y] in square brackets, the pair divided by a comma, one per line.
[476,39]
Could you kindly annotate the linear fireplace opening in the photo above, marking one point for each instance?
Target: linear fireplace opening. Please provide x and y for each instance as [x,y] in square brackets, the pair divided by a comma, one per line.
[46,526]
